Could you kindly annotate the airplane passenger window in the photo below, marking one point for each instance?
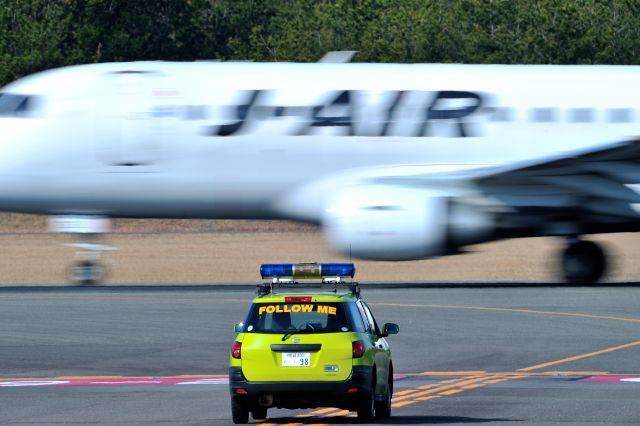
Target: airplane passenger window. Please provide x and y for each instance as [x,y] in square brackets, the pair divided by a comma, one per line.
[14,105]
[502,114]
[581,115]
[619,115]
[196,112]
[543,115]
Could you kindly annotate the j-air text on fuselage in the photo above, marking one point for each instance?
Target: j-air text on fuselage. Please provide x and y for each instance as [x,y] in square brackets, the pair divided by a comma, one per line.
[340,110]
[393,161]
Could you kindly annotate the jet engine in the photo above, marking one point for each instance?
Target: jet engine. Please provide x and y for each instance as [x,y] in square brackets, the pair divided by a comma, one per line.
[386,222]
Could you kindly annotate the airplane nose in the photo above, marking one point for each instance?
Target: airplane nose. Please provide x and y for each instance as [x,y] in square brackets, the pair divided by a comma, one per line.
[15,155]
[13,142]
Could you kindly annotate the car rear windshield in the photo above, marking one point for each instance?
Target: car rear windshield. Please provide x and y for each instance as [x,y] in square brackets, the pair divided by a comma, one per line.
[312,317]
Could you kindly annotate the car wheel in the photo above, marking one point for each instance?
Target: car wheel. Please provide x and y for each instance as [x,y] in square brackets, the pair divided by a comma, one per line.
[366,406]
[259,413]
[239,413]
[383,408]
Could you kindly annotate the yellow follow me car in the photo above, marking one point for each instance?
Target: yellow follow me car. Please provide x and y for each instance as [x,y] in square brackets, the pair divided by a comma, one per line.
[310,349]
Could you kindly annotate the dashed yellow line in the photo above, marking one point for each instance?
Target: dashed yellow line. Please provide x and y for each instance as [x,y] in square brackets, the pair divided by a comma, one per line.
[322,411]
[339,413]
[425,387]
[426,398]
[417,394]
[402,403]
[451,392]
[444,388]
[421,393]
[469,387]
[406,391]
[504,379]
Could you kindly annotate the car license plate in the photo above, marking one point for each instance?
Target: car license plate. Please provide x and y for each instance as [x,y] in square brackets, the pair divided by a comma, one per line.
[296,359]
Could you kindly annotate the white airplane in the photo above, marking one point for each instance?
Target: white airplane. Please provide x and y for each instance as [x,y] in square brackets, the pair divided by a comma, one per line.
[395,161]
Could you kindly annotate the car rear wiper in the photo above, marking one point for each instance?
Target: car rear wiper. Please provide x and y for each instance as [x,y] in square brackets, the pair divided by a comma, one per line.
[290,333]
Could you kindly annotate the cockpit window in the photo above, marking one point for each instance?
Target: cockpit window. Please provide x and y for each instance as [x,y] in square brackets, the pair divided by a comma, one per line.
[15,105]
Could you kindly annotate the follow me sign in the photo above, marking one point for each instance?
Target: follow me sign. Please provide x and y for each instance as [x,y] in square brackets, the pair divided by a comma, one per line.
[323,309]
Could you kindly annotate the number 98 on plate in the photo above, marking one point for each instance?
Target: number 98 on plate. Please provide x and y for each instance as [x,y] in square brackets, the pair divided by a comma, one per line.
[296,359]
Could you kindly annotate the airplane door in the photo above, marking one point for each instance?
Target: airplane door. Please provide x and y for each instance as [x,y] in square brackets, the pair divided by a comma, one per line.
[131,123]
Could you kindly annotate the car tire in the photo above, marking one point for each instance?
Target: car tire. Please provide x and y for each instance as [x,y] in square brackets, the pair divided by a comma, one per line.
[259,413]
[383,408]
[239,413]
[366,406]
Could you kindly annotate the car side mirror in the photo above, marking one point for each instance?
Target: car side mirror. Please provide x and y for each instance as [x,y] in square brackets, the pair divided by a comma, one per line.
[390,328]
[238,328]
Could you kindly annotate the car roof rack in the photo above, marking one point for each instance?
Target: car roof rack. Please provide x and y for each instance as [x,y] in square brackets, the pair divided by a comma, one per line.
[288,275]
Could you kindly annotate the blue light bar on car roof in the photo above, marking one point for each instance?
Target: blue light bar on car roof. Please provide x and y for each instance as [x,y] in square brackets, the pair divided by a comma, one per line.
[307,270]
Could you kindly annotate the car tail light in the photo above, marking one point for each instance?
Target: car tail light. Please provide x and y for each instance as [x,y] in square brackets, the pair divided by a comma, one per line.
[357,348]
[236,350]
[297,299]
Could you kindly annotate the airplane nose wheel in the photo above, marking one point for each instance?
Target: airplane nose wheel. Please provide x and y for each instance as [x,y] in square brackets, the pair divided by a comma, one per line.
[583,262]
[89,266]
[86,272]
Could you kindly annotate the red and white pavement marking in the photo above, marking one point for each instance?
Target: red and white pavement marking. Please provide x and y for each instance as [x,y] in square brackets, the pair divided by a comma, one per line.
[115,381]
[612,379]
[121,381]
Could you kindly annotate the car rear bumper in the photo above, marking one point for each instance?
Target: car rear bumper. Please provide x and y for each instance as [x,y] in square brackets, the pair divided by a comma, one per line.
[342,394]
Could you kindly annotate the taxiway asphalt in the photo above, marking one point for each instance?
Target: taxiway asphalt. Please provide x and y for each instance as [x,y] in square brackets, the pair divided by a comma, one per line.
[479,354]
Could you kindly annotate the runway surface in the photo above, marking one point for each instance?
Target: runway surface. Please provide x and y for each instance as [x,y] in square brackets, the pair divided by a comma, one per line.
[478,354]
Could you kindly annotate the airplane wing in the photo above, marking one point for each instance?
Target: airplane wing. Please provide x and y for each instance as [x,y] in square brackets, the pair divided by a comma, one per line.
[591,188]
[584,191]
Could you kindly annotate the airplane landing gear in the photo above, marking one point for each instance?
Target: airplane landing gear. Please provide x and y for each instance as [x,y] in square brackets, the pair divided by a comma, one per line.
[583,262]
[87,272]
[88,266]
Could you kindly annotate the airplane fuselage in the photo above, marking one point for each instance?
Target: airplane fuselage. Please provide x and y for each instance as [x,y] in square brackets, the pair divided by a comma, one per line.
[160,139]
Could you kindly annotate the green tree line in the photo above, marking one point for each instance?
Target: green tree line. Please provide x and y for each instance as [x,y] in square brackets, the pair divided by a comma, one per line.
[42,34]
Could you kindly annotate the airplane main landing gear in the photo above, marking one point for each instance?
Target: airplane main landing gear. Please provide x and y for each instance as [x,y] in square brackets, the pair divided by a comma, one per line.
[583,262]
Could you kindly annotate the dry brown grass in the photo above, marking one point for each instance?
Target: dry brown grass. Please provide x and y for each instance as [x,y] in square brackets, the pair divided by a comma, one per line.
[23,223]
[231,251]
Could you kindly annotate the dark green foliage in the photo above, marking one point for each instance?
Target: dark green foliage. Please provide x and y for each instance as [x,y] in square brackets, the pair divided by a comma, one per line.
[32,32]
[41,34]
